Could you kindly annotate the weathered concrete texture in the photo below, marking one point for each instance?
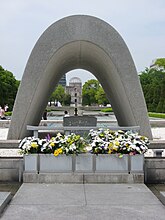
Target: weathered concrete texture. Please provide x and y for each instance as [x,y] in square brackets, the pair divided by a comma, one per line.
[6,144]
[82,178]
[84,201]
[11,169]
[154,170]
[162,197]
[5,198]
[85,42]
[80,121]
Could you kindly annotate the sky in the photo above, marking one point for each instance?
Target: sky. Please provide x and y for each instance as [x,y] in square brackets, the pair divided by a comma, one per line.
[140,23]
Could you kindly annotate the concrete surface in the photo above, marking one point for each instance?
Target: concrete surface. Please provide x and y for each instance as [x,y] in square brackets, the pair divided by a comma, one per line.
[11,169]
[67,45]
[84,201]
[162,197]
[5,198]
[154,170]
[83,178]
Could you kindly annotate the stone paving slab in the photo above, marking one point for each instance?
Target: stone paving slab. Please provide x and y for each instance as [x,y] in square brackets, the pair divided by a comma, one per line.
[162,197]
[5,198]
[49,194]
[84,202]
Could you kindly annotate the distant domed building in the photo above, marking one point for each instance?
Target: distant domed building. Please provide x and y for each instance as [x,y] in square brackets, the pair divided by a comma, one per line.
[75,90]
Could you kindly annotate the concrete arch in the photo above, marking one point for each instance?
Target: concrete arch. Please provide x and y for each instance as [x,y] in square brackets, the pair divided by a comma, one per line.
[85,42]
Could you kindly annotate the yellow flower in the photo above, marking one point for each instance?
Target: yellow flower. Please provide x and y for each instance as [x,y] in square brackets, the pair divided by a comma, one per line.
[115,148]
[117,143]
[110,151]
[60,150]
[110,145]
[56,153]
[34,145]
[52,144]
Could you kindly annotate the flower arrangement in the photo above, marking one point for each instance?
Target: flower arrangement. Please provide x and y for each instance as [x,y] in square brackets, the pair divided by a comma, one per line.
[31,145]
[105,141]
[60,144]
[102,141]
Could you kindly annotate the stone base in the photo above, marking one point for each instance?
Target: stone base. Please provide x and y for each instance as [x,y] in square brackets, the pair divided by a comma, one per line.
[162,197]
[5,198]
[83,178]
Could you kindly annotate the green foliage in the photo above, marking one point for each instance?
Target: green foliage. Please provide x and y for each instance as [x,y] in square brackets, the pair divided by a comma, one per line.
[101,97]
[107,110]
[60,95]
[8,88]
[67,99]
[93,93]
[8,113]
[160,62]
[153,85]
[89,92]
[156,115]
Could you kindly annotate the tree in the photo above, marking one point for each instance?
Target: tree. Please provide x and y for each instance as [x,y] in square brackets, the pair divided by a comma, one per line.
[101,97]
[67,99]
[153,85]
[89,91]
[60,95]
[160,62]
[8,88]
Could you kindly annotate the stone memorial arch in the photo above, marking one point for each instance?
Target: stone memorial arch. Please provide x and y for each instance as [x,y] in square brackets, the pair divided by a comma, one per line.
[83,42]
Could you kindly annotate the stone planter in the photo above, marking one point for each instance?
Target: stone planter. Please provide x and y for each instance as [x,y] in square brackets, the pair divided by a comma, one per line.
[50,163]
[136,163]
[83,163]
[111,163]
[31,163]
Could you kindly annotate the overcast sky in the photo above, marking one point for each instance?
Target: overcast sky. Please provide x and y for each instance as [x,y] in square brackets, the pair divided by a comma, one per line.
[141,24]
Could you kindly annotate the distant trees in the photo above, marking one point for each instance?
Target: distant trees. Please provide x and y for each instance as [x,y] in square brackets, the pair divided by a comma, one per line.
[89,91]
[8,88]
[93,93]
[160,62]
[153,85]
[101,97]
[60,95]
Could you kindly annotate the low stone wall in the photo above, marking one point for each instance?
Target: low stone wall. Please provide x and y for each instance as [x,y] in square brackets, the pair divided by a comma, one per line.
[4,123]
[11,169]
[154,170]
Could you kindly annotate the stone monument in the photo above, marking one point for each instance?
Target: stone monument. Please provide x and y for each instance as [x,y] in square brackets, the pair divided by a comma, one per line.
[83,42]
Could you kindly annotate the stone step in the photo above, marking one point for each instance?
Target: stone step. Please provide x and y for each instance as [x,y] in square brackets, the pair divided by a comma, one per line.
[83,178]
[162,197]
[5,198]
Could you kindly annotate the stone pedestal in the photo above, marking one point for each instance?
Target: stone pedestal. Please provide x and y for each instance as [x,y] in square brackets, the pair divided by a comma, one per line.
[80,121]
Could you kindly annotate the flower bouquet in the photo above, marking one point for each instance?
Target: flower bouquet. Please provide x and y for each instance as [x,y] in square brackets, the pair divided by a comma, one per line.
[105,141]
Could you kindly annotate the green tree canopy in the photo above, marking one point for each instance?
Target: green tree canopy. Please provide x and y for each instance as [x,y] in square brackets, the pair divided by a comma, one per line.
[153,85]
[160,62]
[8,88]
[101,97]
[60,95]
[89,91]
[93,93]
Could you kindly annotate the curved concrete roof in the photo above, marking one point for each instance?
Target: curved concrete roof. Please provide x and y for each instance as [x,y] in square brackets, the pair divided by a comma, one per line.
[85,42]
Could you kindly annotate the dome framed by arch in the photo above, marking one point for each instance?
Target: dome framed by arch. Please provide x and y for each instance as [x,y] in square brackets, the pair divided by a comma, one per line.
[75,91]
[80,42]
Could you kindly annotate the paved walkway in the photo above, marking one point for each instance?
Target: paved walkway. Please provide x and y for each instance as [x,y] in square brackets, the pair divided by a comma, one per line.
[84,202]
